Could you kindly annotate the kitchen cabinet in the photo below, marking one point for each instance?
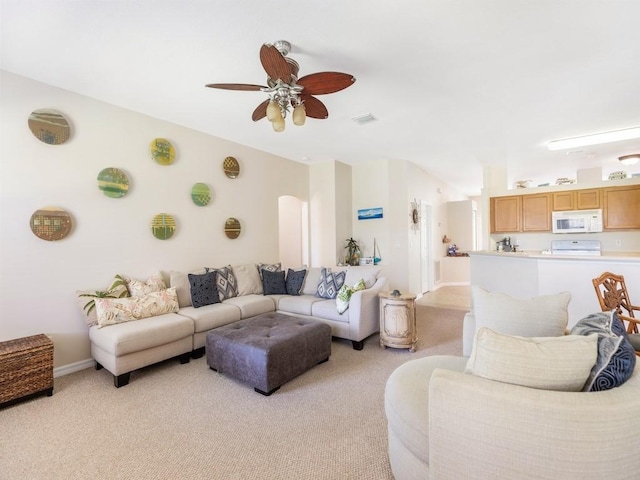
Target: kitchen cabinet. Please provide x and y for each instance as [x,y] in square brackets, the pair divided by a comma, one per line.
[536,213]
[506,214]
[621,208]
[585,199]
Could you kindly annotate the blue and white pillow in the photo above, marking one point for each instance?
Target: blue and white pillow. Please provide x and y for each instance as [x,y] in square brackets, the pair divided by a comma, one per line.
[330,283]
[616,355]
[226,282]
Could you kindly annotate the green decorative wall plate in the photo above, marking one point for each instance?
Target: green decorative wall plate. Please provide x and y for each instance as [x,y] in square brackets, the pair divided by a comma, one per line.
[163,226]
[201,194]
[113,182]
[232,228]
[162,151]
[50,223]
[49,126]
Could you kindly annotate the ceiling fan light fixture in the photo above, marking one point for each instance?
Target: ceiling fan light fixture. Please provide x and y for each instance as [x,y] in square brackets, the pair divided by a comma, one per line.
[595,139]
[299,115]
[273,111]
[278,124]
[630,159]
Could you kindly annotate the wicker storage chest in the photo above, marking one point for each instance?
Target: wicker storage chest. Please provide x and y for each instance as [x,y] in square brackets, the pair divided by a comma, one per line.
[26,368]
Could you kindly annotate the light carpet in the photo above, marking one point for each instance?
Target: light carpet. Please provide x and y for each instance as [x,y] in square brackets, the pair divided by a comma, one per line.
[188,422]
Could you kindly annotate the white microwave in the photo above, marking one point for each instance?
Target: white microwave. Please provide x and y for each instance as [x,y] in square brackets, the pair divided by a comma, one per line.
[577,221]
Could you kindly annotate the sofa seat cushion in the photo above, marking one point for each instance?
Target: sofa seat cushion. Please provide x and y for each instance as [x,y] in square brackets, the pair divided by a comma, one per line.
[300,304]
[328,310]
[123,338]
[252,305]
[406,400]
[211,316]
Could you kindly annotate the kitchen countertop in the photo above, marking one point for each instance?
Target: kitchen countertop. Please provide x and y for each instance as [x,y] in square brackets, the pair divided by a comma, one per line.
[547,255]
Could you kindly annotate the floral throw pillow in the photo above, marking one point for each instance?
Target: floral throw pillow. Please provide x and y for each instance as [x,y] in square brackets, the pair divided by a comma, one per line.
[138,288]
[86,298]
[119,310]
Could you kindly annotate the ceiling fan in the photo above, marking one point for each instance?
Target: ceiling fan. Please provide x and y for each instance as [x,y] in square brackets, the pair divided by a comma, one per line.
[287,91]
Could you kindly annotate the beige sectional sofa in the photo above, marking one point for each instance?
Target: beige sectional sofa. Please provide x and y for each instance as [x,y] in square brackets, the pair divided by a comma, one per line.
[124,347]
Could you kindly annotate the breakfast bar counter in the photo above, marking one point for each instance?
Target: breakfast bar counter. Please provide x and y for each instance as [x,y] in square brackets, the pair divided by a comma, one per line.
[531,273]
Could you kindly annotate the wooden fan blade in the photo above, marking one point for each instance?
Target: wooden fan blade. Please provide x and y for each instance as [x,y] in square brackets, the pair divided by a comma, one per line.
[274,64]
[235,86]
[314,107]
[322,83]
[261,111]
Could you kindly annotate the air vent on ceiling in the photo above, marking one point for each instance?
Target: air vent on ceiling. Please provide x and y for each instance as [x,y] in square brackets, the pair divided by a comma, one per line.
[364,119]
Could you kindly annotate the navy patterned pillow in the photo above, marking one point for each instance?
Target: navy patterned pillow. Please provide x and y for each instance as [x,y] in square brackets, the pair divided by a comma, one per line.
[226,282]
[616,356]
[330,283]
[203,289]
[273,283]
[294,281]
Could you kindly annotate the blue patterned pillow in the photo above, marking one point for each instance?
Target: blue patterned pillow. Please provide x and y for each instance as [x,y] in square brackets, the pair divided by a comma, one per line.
[616,355]
[330,283]
[273,283]
[203,289]
[294,281]
[226,282]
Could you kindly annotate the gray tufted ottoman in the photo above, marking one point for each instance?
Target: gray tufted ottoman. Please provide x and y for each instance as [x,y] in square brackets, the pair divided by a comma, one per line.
[268,350]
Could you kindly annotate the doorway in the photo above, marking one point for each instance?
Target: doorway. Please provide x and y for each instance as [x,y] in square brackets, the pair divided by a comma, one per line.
[293,232]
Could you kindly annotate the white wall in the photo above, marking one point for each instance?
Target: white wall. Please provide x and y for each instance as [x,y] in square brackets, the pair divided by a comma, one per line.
[38,279]
[393,185]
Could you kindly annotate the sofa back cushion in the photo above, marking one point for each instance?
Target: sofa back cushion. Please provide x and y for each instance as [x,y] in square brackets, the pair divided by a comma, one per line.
[368,274]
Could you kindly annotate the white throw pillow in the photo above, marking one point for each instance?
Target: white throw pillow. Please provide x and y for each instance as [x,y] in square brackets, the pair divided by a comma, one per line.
[543,316]
[550,363]
[248,279]
[311,281]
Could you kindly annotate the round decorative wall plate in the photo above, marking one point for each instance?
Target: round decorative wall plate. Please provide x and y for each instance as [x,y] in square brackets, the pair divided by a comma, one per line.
[162,151]
[201,194]
[231,167]
[232,228]
[113,182]
[163,226]
[415,215]
[50,223]
[49,126]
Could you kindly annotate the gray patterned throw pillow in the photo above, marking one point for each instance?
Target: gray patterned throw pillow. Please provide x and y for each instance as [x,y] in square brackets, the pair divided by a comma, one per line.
[330,283]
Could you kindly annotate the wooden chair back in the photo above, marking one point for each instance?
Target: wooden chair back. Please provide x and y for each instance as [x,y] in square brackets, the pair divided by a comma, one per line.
[612,295]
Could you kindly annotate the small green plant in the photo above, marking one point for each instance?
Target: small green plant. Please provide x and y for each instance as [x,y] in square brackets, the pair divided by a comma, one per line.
[118,289]
[353,252]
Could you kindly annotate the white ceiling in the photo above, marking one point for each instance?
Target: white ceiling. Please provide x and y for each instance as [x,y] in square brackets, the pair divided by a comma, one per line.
[456,85]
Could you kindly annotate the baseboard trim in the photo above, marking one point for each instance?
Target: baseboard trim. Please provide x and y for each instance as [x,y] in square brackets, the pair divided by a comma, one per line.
[73,367]
[452,284]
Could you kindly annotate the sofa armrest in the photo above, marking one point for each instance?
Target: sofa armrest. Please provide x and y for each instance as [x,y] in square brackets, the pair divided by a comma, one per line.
[364,311]
[468,333]
[480,428]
